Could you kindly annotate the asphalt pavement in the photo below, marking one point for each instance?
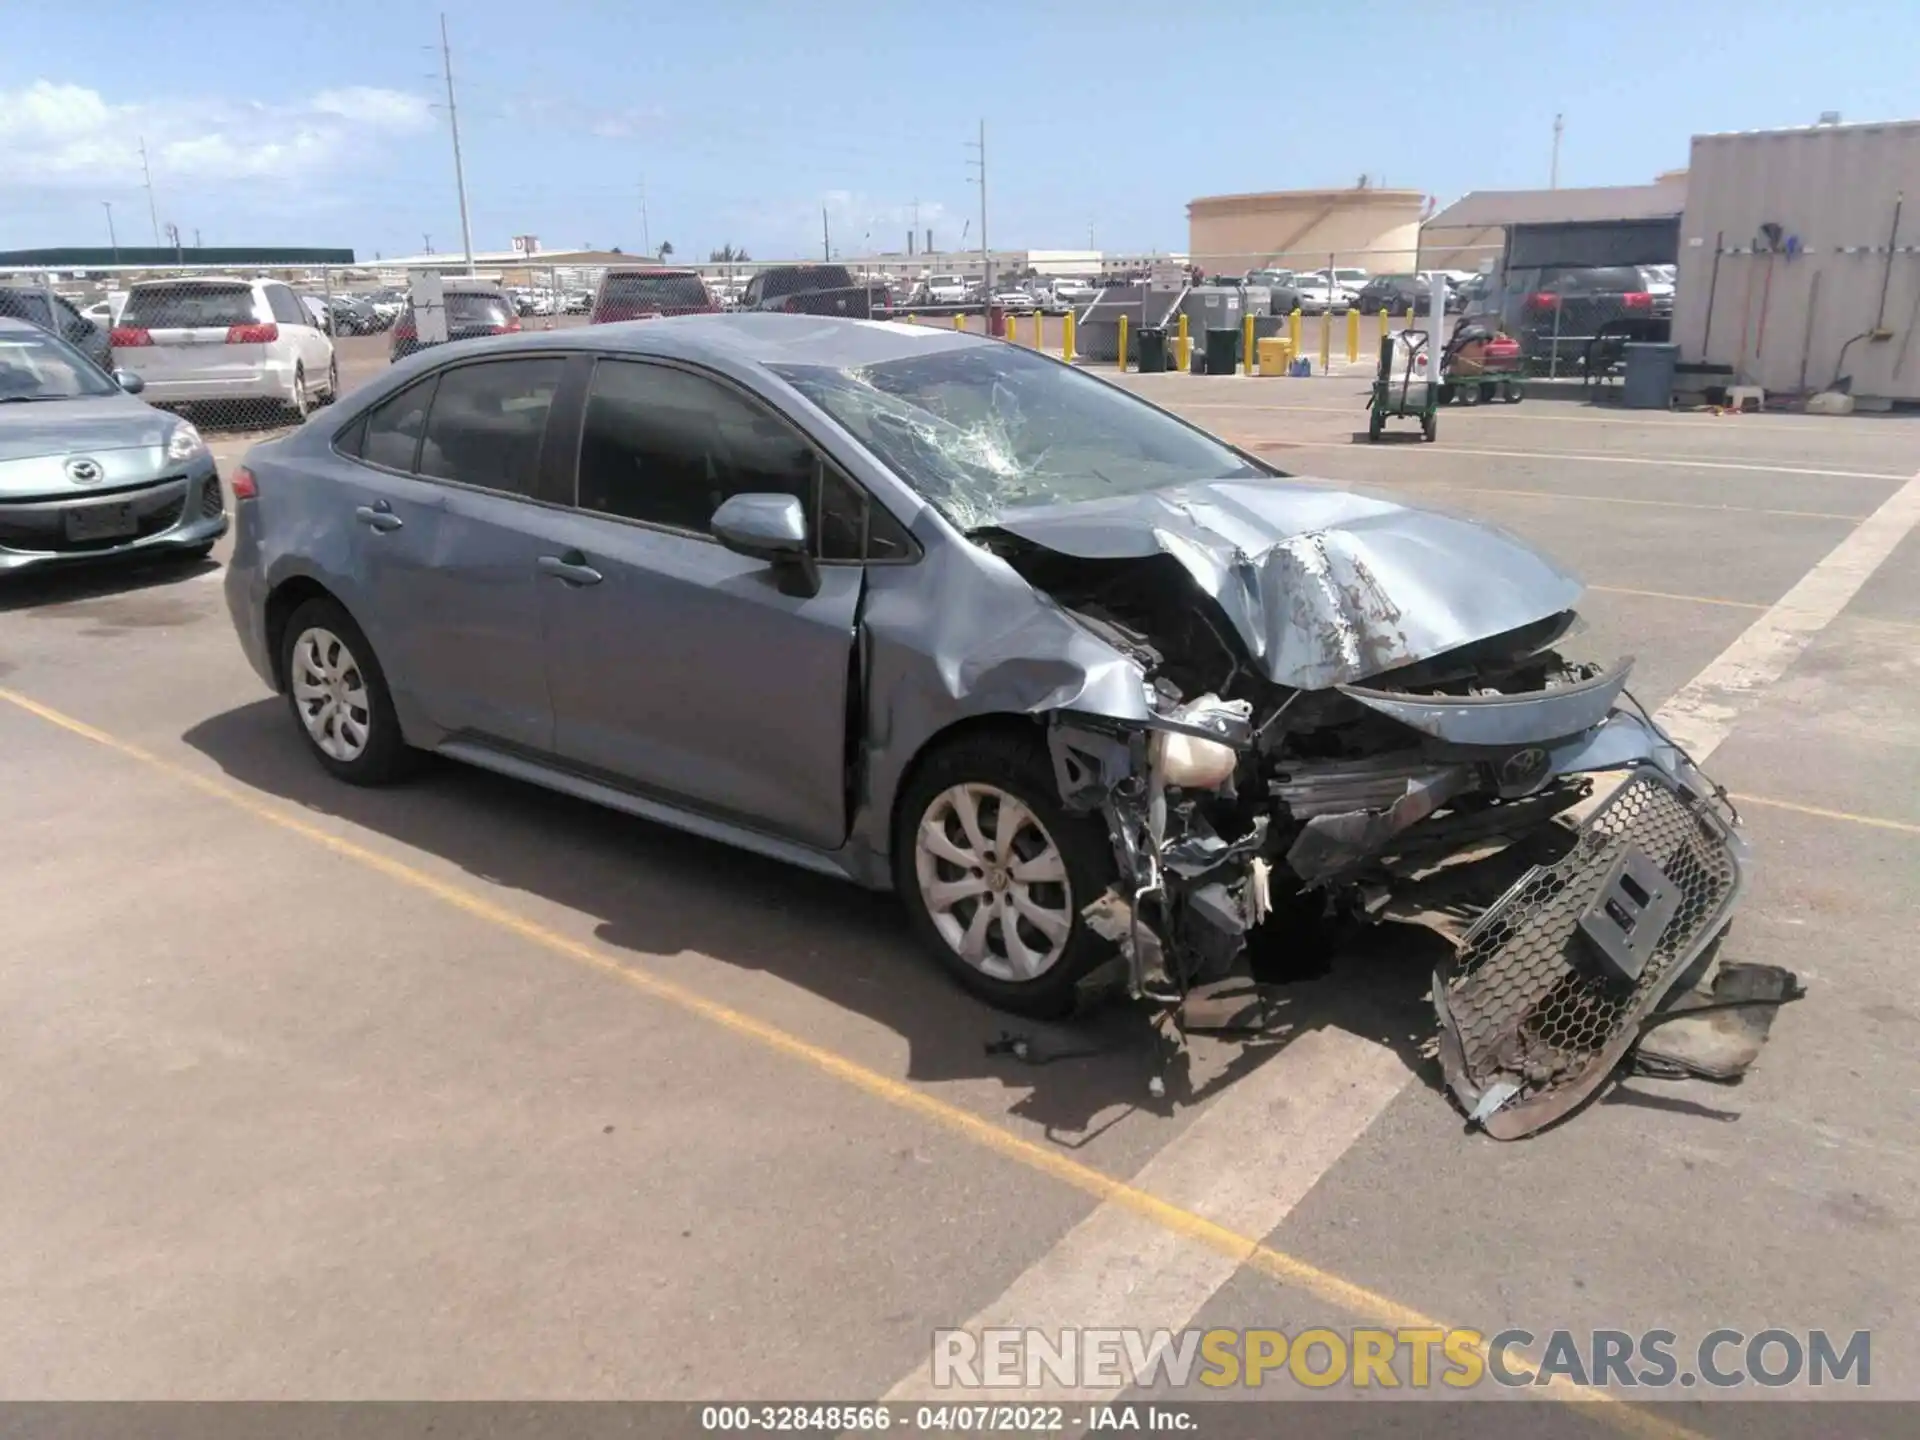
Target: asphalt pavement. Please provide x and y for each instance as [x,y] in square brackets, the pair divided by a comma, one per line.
[462,1089]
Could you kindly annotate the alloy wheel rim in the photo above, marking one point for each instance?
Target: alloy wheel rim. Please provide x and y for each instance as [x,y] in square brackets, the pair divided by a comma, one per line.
[331,694]
[994,882]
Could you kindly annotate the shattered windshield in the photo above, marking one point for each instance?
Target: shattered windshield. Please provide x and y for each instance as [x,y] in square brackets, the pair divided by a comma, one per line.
[990,427]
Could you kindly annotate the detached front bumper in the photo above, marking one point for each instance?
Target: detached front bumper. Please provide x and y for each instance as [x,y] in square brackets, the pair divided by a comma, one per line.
[1552,985]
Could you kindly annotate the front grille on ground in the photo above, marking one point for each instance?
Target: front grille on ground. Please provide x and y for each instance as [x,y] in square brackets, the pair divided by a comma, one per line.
[41,527]
[211,500]
[1526,1006]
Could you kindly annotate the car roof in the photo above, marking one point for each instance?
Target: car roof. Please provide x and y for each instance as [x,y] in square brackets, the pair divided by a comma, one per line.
[175,281]
[674,270]
[736,340]
[8,324]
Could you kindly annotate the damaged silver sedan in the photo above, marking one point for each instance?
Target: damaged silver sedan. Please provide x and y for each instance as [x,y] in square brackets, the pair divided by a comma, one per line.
[1075,678]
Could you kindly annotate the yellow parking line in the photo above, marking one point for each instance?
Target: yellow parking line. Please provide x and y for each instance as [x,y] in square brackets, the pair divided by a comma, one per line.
[1355,1299]
[1686,599]
[1902,827]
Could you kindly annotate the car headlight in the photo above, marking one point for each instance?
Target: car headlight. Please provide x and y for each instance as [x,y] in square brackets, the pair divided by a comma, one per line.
[185,443]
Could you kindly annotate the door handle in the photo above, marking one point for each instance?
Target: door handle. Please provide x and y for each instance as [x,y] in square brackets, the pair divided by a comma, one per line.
[378,517]
[571,567]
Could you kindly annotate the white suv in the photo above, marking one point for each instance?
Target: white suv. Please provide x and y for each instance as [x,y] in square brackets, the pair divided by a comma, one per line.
[217,338]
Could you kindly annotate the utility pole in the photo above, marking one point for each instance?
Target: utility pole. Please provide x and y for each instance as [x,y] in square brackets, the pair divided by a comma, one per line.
[826,241]
[112,239]
[173,234]
[986,256]
[1553,174]
[646,236]
[152,213]
[196,237]
[426,244]
[453,121]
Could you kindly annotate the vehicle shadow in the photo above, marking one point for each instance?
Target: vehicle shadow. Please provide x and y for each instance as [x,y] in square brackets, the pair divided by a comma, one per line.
[78,580]
[666,901]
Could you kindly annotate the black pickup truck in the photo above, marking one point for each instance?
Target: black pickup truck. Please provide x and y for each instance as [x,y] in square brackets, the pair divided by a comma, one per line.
[815,290]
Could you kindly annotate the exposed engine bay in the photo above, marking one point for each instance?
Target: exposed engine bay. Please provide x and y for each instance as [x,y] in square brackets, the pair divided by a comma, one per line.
[1514,800]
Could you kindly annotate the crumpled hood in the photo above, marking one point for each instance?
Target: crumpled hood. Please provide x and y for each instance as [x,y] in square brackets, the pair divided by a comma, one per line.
[80,426]
[1324,587]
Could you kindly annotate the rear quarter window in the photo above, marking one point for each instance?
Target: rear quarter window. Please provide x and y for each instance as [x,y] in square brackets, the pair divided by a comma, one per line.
[472,307]
[185,307]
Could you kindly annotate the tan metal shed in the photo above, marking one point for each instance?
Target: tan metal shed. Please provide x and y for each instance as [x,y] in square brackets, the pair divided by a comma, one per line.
[1782,306]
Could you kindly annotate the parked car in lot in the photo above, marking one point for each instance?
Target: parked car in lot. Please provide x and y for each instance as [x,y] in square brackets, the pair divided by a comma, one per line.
[1559,312]
[474,308]
[815,290]
[36,306]
[89,472]
[944,615]
[945,290]
[1317,295]
[353,315]
[1395,294]
[1076,291]
[641,294]
[223,339]
[1015,301]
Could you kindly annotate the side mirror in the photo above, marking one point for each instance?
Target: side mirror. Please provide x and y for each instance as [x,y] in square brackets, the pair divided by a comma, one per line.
[129,382]
[771,528]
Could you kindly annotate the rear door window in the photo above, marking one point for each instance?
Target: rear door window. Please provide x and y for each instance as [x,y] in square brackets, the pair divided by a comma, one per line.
[395,426]
[188,307]
[286,306]
[488,422]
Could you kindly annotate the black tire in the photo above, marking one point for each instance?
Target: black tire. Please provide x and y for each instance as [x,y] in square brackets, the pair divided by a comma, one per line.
[386,756]
[333,381]
[1018,766]
[1489,392]
[1429,427]
[301,405]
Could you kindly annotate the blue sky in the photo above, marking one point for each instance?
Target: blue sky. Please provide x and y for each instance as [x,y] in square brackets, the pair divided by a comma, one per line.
[279,124]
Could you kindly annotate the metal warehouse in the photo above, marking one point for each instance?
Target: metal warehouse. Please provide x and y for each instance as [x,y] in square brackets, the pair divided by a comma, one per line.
[1800,259]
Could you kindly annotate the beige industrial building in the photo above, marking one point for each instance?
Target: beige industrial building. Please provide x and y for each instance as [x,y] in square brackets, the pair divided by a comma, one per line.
[1369,228]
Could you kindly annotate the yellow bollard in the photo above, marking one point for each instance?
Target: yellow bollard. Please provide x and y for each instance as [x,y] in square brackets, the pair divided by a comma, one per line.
[1246,342]
[1009,327]
[913,319]
[1293,330]
[1123,345]
[1066,337]
[959,322]
[1386,324]
[1353,336]
[1182,345]
[1326,340]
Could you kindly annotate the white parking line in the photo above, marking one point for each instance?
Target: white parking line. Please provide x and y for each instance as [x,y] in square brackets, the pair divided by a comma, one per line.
[1244,1163]
[1261,1147]
[1669,462]
[1702,712]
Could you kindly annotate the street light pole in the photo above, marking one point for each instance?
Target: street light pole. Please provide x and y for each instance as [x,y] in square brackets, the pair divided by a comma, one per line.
[453,121]
[112,239]
[152,213]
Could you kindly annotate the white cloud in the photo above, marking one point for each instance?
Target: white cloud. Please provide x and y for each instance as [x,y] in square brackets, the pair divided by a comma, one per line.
[58,134]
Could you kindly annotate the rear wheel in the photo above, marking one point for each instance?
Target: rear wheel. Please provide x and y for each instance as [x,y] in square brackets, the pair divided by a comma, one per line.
[994,872]
[302,403]
[333,381]
[1429,426]
[339,696]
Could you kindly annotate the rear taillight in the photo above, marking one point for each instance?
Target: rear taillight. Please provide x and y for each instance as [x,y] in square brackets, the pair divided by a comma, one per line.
[1543,301]
[252,334]
[245,487]
[403,329]
[1637,300]
[123,336]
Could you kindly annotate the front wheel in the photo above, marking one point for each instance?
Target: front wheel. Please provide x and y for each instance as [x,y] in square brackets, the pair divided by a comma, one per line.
[301,403]
[994,872]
